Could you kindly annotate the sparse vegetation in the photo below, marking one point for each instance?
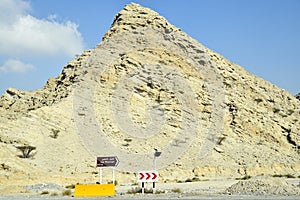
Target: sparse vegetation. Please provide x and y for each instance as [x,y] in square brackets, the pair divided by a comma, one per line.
[285,176]
[5,167]
[72,186]
[134,190]
[176,190]
[188,180]
[111,182]
[127,139]
[54,133]
[135,183]
[26,151]
[44,192]
[246,177]
[54,194]
[66,193]
[195,179]
[159,192]
[139,190]
[220,140]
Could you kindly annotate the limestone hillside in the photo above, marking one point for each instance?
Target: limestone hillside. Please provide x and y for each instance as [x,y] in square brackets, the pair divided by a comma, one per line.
[298,96]
[148,85]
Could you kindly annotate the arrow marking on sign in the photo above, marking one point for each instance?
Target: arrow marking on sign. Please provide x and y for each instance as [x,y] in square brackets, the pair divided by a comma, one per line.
[154,176]
[142,176]
[148,176]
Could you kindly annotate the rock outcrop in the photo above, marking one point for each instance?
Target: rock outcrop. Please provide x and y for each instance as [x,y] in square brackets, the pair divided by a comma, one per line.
[298,96]
[149,85]
[14,102]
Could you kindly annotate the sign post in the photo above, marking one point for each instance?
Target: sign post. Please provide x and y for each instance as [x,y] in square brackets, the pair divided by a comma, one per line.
[107,161]
[95,190]
[156,155]
[100,173]
[148,176]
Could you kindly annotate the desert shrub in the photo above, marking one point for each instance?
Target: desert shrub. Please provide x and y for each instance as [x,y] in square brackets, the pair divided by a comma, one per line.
[5,167]
[220,140]
[134,190]
[159,192]
[139,190]
[127,139]
[284,175]
[54,194]
[26,150]
[290,176]
[72,186]
[135,183]
[54,133]
[188,180]
[66,193]
[176,190]
[195,179]
[246,177]
[44,192]
[111,182]
[147,191]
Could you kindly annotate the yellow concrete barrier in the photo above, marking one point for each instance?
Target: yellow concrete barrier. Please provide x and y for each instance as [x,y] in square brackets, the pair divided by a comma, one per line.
[94,190]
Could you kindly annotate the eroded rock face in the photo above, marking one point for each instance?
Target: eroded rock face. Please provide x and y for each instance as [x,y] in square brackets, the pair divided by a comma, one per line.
[298,96]
[15,102]
[132,17]
[149,85]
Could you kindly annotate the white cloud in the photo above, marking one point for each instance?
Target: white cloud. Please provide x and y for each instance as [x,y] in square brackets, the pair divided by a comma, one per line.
[11,10]
[22,34]
[15,66]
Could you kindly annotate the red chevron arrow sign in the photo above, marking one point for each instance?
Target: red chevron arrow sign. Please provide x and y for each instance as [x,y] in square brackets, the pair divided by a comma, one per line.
[148,176]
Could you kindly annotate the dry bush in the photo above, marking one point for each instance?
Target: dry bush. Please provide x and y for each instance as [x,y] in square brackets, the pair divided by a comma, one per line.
[44,192]
[26,151]
[66,193]
[176,190]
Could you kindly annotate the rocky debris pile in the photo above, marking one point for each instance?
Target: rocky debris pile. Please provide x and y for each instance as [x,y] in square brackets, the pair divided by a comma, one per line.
[15,102]
[44,187]
[269,186]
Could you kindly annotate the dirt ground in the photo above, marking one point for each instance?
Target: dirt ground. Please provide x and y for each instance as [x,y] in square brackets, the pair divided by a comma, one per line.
[208,189]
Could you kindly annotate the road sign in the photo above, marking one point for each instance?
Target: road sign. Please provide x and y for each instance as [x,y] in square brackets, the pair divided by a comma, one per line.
[108,161]
[148,176]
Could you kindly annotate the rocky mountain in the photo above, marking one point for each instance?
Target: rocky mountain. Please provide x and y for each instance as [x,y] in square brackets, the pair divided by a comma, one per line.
[148,85]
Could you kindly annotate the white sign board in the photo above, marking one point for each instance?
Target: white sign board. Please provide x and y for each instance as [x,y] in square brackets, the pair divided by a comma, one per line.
[148,176]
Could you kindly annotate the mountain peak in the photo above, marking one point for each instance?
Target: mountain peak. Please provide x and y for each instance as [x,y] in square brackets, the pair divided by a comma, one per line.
[134,16]
[149,85]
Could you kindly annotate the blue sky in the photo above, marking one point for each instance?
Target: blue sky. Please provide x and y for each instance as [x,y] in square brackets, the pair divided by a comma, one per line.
[38,37]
